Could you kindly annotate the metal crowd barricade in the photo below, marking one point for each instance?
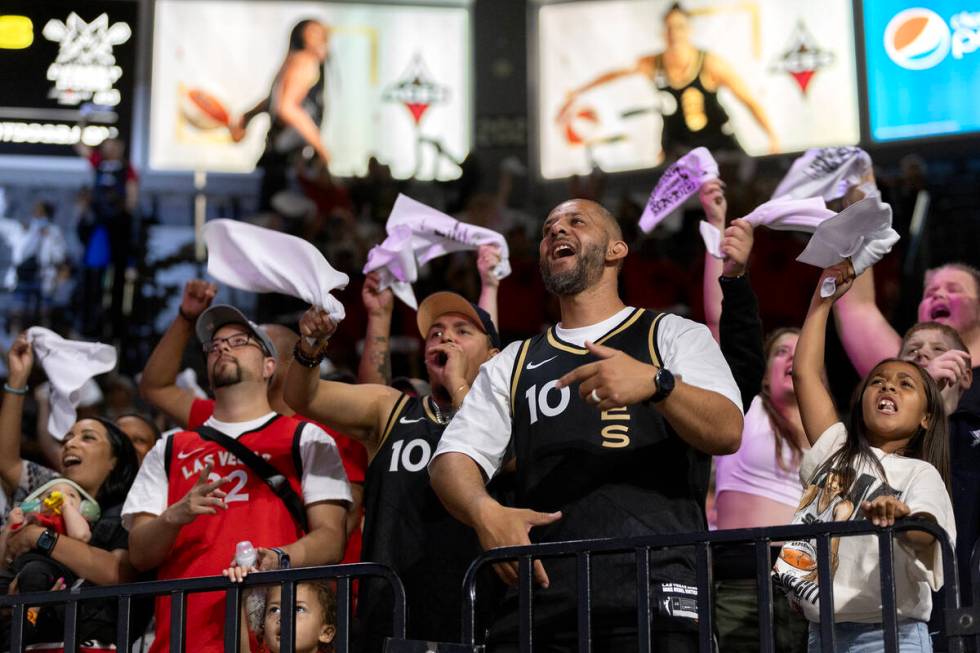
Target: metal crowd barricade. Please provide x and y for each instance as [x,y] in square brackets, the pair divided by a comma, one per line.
[179,589]
[961,623]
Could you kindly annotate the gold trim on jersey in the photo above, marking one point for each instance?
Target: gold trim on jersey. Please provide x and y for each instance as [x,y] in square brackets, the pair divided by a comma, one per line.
[428,411]
[392,418]
[652,341]
[517,372]
[581,351]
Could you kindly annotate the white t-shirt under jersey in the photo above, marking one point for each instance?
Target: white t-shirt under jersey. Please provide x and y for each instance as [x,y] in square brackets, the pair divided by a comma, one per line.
[857,587]
[482,427]
[323,476]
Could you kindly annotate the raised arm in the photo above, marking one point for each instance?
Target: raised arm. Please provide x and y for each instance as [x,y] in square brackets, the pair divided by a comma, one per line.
[158,384]
[726,76]
[643,65]
[375,366]
[20,361]
[816,405]
[867,336]
[487,257]
[715,207]
[358,411]
[299,75]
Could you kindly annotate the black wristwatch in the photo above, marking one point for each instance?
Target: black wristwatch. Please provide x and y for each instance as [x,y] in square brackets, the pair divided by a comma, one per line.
[46,541]
[665,385]
[283,557]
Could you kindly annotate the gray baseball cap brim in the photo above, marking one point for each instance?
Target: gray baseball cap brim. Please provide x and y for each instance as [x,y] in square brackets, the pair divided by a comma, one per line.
[221,314]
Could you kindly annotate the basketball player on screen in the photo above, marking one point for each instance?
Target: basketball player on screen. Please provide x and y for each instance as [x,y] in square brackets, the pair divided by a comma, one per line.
[693,78]
[296,107]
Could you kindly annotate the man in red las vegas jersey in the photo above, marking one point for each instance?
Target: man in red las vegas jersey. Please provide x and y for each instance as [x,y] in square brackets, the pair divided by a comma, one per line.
[158,385]
[193,501]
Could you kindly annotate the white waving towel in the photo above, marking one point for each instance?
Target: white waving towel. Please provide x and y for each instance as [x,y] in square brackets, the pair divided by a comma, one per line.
[678,183]
[862,232]
[253,258]
[417,234]
[781,214]
[825,172]
[68,365]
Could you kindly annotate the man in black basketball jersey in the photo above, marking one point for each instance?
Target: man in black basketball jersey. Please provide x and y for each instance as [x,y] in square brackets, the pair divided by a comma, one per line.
[406,526]
[690,79]
[613,416]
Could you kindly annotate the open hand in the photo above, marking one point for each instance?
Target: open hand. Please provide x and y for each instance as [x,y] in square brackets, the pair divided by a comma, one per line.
[204,498]
[883,511]
[511,527]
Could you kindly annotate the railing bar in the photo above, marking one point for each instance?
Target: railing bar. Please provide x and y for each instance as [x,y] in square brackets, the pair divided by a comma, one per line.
[287,616]
[17,628]
[705,600]
[525,600]
[233,613]
[178,619]
[343,614]
[71,627]
[643,612]
[584,602]
[764,594]
[124,614]
[889,613]
[825,582]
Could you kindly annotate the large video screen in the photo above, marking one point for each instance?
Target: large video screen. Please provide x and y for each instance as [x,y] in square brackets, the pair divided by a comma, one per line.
[395,84]
[625,84]
[62,63]
[922,67]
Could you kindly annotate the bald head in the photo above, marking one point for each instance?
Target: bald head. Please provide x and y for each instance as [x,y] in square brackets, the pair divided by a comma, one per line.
[594,209]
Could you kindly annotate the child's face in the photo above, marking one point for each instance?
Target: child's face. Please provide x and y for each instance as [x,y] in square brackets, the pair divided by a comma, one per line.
[69,492]
[924,345]
[311,630]
[894,403]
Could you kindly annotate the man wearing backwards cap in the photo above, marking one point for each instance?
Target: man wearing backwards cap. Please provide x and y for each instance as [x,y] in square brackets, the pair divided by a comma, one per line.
[185,519]
[406,528]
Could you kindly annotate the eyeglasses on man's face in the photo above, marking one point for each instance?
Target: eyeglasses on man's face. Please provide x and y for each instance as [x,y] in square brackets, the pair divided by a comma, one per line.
[235,341]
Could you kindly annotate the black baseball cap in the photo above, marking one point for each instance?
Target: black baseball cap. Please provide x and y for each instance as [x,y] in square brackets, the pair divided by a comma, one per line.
[440,303]
[221,314]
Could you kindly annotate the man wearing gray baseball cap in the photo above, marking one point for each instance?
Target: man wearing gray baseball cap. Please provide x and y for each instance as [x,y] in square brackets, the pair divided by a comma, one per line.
[198,492]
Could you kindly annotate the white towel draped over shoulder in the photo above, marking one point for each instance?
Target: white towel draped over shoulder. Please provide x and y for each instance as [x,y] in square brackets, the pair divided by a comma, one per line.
[417,234]
[261,260]
[69,364]
[680,181]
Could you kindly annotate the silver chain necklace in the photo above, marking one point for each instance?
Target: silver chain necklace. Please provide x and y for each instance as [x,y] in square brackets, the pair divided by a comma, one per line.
[441,418]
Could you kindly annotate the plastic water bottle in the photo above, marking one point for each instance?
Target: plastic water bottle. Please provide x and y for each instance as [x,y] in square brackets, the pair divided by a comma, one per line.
[245,554]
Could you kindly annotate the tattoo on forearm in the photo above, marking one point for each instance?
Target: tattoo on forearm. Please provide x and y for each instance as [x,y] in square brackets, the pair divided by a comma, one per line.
[382,358]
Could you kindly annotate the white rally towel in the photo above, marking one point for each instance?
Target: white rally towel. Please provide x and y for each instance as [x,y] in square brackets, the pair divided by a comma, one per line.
[417,234]
[862,233]
[253,258]
[825,172]
[780,214]
[680,181]
[69,364]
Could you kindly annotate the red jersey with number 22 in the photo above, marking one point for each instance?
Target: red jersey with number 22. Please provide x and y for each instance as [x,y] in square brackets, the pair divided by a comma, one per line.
[207,545]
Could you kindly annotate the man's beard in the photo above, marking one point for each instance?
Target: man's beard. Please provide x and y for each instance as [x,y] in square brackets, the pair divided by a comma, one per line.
[584,275]
[223,375]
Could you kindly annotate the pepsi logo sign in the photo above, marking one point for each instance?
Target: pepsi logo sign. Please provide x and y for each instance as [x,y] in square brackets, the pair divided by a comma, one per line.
[917,39]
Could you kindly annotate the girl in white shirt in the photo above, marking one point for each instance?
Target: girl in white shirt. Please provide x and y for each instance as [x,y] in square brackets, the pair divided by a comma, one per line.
[890,461]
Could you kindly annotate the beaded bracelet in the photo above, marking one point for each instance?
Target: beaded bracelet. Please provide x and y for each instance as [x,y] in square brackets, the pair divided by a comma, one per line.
[307,361]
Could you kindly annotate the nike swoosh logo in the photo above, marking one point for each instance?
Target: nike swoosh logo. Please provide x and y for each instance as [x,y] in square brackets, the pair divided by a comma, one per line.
[187,454]
[531,366]
[410,421]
